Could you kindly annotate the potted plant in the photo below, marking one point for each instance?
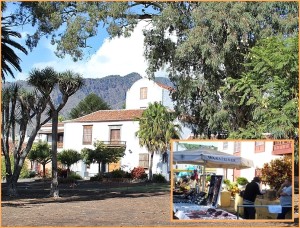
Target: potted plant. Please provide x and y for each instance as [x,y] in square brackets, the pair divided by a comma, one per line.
[226,184]
[242,182]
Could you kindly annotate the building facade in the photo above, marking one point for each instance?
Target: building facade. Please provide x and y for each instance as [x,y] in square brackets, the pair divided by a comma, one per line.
[116,128]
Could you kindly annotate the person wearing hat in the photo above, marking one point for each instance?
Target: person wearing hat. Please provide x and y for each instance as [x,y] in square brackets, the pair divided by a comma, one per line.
[251,191]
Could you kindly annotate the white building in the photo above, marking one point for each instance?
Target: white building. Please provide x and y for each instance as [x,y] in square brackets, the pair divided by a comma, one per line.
[260,152]
[119,127]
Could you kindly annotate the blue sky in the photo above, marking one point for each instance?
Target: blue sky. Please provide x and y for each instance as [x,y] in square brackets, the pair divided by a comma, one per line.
[118,56]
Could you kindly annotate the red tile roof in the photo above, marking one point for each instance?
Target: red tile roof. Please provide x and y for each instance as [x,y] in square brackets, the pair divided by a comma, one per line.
[110,115]
[60,124]
[165,86]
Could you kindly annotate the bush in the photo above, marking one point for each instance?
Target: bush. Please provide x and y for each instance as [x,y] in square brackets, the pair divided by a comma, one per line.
[32,174]
[275,172]
[48,173]
[74,176]
[242,181]
[118,173]
[97,177]
[62,172]
[25,173]
[158,178]
[138,173]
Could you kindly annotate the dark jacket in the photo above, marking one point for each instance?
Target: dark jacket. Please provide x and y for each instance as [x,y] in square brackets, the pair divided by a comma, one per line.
[251,191]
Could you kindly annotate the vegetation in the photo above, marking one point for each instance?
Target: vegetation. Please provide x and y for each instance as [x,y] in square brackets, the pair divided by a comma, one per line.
[89,104]
[21,108]
[275,172]
[156,130]
[118,173]
[138,173]
[269,88]
[159,178]
[9,57]
[102,154]
[68,158]
[242,180]
[41,153]
[25,173]
[68,83]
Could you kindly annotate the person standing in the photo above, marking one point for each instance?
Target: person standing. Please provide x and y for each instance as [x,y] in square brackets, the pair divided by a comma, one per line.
[285,194]
[251,191]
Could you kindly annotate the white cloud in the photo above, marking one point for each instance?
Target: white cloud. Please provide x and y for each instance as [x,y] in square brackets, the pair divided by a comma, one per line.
[118,56]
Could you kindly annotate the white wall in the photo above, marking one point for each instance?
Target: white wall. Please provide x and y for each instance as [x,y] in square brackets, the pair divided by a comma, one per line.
[155,93]
[73,140]
[248,151]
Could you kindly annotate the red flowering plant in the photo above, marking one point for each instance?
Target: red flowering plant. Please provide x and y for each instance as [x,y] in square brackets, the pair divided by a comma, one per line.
[275,172]
[138,173]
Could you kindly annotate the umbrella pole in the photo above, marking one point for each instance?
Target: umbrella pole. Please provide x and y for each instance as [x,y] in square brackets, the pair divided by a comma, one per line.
[204,179]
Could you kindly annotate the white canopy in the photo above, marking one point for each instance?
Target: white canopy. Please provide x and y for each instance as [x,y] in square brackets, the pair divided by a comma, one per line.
[211,158]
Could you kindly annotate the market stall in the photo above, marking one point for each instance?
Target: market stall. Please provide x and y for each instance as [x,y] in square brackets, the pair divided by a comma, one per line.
[193,204]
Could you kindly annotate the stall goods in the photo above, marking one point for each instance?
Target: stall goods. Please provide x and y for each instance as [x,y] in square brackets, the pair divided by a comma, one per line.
[191,211]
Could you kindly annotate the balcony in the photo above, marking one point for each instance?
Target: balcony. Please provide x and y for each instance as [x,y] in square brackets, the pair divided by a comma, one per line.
[281,148]
[115,144]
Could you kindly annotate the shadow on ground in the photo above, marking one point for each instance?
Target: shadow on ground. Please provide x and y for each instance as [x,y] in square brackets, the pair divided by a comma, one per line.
[37,192]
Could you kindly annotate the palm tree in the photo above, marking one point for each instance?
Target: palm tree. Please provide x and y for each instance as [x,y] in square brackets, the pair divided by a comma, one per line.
[9,57]
[157,128]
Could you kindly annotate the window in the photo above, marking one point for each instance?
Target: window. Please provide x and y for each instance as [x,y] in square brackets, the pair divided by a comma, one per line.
[144,160]
[259,147]
[225,145]
[87,135]
[143,93]
[115,136]
[237,147]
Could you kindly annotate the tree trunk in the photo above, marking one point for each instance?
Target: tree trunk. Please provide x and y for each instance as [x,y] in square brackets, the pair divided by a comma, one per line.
[54,185]
[12,180]
[11,186]
[103,167]
[44,170]
[150,166]
[99,168]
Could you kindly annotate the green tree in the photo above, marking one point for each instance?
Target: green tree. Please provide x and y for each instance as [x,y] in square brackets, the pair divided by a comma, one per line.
[68,83]
[201,43]
[102,154]
[269,87]
[157,128]
[41,153]
[68,158]
[91,103]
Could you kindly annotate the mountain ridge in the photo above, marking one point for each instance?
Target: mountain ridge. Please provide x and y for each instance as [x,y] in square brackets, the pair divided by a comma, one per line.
[112,89]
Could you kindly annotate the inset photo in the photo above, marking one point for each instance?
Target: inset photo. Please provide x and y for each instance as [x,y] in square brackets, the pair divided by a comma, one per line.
[232,180]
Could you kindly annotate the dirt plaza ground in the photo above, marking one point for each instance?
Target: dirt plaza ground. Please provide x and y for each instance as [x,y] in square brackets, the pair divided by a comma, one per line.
[101,204]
